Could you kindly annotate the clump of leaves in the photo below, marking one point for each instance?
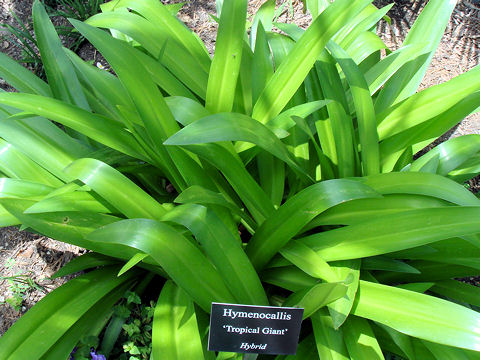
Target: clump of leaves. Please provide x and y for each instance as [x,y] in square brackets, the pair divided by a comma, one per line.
[300,141]
[75,9]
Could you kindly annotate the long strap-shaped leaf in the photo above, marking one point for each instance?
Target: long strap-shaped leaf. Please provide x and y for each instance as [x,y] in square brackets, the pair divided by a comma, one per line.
[298,211]
[427,103]
[419,315]
[293,70]
[178,256]
[175,333]
[17,165]
[225,67]
[233,127]
[154,39]
[224,250]
[421,184]
[99,128]
[116,188]
[404,230]
[329,341]
[52,317]
[364,110]
[427,30]
[255,199]
[157,13]
[459,150]
[360,340]
[58,68]
[20,78]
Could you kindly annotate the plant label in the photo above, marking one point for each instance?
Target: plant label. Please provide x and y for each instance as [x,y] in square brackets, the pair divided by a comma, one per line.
[254,329]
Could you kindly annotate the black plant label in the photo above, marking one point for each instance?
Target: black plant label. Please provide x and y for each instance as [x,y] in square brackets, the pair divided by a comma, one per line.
[254,329]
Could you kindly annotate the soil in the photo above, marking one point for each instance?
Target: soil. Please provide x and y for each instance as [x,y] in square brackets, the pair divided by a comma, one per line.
[38,257]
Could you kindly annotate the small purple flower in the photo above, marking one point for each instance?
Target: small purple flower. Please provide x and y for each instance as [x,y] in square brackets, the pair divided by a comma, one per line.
[73,352]
[96,356]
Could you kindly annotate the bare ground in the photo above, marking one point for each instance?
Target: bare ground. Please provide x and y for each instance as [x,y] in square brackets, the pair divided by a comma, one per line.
[38,257]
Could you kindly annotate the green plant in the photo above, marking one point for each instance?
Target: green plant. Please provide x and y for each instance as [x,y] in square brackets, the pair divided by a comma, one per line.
[76,9]
[280,171]
[19,285]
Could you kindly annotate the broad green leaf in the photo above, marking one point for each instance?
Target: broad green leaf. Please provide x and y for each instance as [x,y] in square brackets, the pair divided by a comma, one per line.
[284,120]
[315,7]
[426,104]
[427,30]
[336,133]
[145,95]
[392,233]
[262,67]
[84,262]
[106,86]
[131,263]
[365,112]
[358,211]
[263,18]
[421,184]
[365,45]
[97,127]
[289,278]
[90,324]
[373,16]
[448,353]
[293,70]
[59,70]
[72,201]
[225,66]
[175,333]
[116,188]
[379,74]
[387,264]
[451,153]
[349,272]
[329,341]
[419,315]
[308,260]
[232,127]
[458,290]
[423,134]
[224,250]
[157,13]
[20,78]
[14,164]
[254,198]
[160,46]
[360,339]
[69,227]
[184,110]
[21,189]
[178,256]
[429,271]
[54,315]
[298,211]
[404,342]
[417,287]
[7,219]
[199,195]
[316,297]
